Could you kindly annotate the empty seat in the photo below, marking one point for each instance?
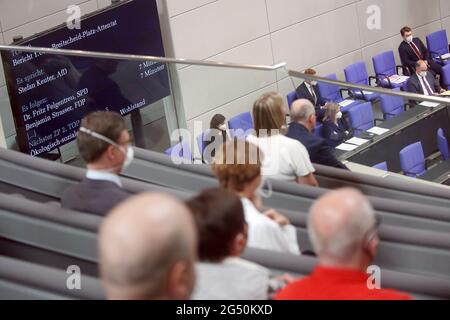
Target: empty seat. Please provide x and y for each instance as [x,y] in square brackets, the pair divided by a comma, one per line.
[391,106]
[381,166]
[385,68]
[412,160]
[333,93]
[240,124]
[357,74]
[446,76]
[361,118]
[443,144]
[437,44]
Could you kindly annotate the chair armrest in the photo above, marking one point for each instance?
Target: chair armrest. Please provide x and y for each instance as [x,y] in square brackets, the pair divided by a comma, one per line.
[378,120]
[407,106]
[341,92]
[381,76]
[438,56]
[404,68]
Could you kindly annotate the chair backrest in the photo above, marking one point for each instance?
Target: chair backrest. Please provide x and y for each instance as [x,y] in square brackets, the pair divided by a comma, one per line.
[412,160]
[180,150]
[384,64]
[381,166]
[291,97]
[240,123]
[318,130]
[357,73]
[443,144]
[391,106]
[361,117]
[329,92]
[437,43]
[446,76]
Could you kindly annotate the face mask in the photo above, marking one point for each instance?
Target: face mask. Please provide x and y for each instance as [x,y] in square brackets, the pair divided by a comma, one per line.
[223,127]
[409,39]
[313,83]
[423,73]
[263,193]
[339,115]
[128,152]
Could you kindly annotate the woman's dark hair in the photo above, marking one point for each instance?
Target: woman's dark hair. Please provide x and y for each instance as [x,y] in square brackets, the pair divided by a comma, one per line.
[216,121]
[219,217]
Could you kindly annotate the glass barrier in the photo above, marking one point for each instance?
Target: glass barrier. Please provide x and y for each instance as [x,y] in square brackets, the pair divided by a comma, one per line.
[171,104]
[391,130]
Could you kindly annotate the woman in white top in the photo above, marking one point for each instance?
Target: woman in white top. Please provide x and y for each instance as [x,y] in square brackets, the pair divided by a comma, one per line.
[284,158]
[238,169]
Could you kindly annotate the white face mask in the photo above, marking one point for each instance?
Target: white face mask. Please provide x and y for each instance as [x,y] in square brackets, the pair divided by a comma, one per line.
[409,39]
[223,127]
[339,115]
[263,193]
[128,152]
[423,73]
[313,83]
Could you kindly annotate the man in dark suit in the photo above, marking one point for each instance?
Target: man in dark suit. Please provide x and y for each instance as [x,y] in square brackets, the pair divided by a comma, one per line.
[412,50]
[303,123]
[104,144]
[308,90]
[423,81]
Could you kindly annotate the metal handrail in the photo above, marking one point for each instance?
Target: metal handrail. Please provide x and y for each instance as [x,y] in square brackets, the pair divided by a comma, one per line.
[348,85]
[133,57]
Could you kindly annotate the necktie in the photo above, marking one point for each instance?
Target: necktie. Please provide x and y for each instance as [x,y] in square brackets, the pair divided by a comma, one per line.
[313,95]
[427,86]
[416,50]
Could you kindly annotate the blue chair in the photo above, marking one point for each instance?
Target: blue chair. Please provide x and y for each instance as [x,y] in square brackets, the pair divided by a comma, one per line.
[291,97]
[385,67]
[437,44]
[333,93]
[357,74]
[412,160]
[240,125]
[361,118]
[443,144]
[381,166]
[446,76]
[180,150]
[391,106]
[318,130]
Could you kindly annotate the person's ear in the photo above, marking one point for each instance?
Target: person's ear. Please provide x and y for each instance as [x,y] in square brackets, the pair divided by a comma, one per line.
[372,246]
[181,281]
[111,152]
[238,245]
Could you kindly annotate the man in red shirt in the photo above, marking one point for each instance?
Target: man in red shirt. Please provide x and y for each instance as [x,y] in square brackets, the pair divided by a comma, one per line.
[342,227]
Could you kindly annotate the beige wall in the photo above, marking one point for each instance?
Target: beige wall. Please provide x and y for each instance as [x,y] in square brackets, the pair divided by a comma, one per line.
[325,34]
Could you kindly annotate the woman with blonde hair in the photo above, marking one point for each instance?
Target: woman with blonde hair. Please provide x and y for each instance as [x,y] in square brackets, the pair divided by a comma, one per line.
[335,128]
[237,166]
[284,158]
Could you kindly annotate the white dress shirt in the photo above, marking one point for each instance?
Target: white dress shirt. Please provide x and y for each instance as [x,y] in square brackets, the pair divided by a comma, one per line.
[104,176]
[425,85]
[266,234]
[231,279]
[284,158]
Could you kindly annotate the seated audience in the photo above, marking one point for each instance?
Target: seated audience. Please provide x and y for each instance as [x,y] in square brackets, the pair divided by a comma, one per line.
[412,49]
[222,234]
[217,129]
[238,168]
[423,81]
[304,121]
[104,144]
[342,228]
[284,158]
[335,128]
[309,90]
[147,250]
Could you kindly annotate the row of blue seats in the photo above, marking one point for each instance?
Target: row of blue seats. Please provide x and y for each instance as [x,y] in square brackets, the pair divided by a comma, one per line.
[412,159]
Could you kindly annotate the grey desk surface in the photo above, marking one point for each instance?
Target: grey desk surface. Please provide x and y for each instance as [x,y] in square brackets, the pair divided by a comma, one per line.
[438,174]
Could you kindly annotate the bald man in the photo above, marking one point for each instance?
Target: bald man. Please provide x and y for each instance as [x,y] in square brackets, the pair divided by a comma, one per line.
[423,81]
[147,248]
[304,120]
[342,227]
